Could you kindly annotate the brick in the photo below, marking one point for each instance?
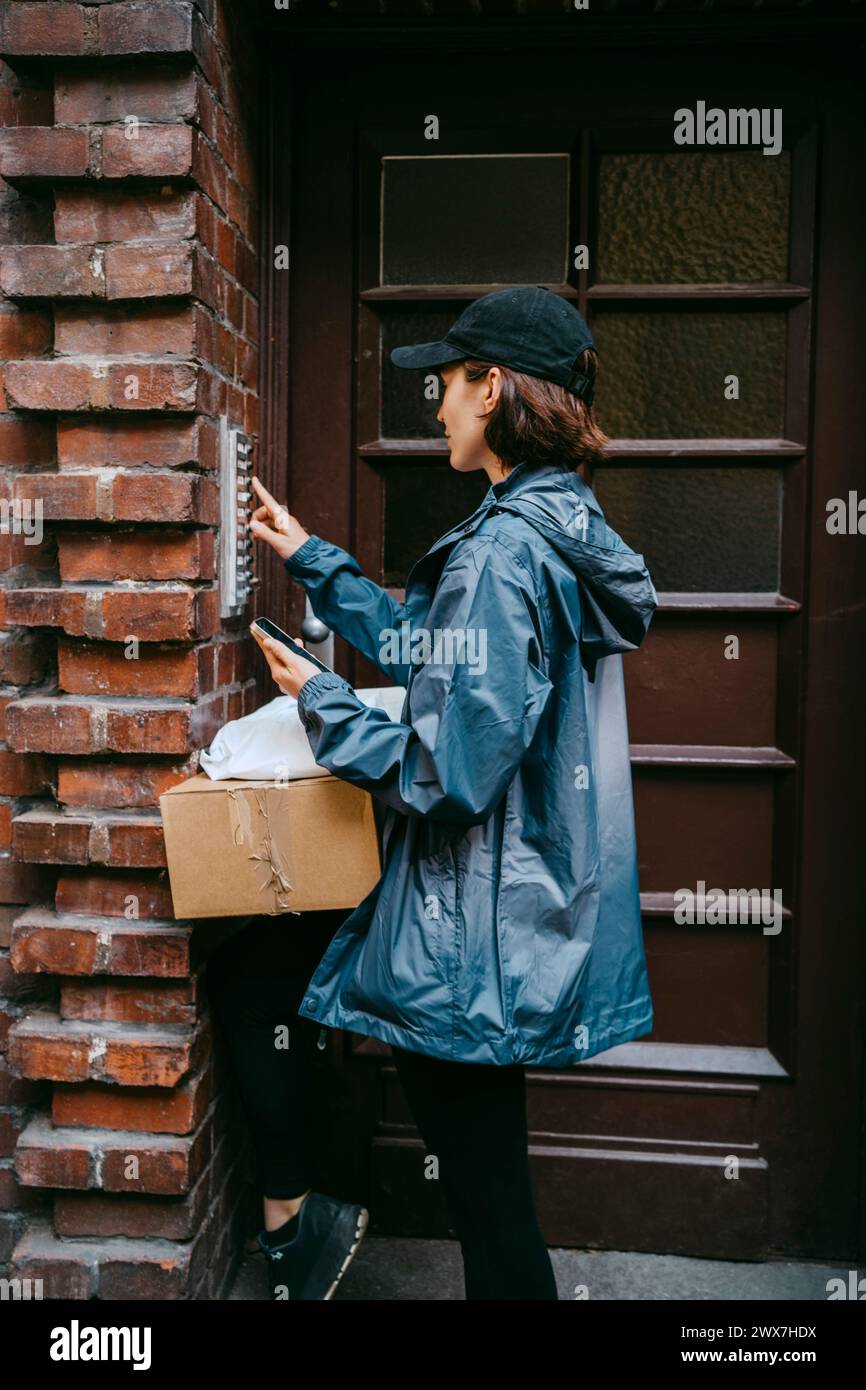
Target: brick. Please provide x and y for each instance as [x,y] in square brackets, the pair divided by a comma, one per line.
[34,558]
[73,725]
[224,349]
[26,100]
[50,607]
[226,138]
[241,209]
[24,216]
[251,318]
[151,615]
[247,269]
[127,443]
[146,26]
[79,385]
[60,496]
[129,1001]
[148,1110]
[43,1046]
[44,152]
[92,1214]
[54,385]
[157,151]
[248,365]
[11,1127]
[111,1269]
[114,669]
[21,883]
[43,727]
[128,896]
[73,944]
[14,1197]
[50,837]
[234,304]
[135,1269]
[209,170]
[135,272]
[22,774]
[24,990]
[235,661]
[26,441]
[23,658]
[119,839]
[210,60]
[209,283]
[206,109]
[88,98]
[24,332]
[7,917]
[52,272]
[170,497]
[43,28]
[143,555]
[156,730]
[155,330]
[15,1091]
[208,717]
[135,842]
[109,214]
[85,783]
[144,1273]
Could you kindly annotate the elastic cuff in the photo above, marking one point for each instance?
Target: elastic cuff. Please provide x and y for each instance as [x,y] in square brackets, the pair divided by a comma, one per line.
[302,554]
[311,689]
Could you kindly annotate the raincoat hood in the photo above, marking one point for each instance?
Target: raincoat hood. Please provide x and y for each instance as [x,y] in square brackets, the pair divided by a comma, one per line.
[618,596]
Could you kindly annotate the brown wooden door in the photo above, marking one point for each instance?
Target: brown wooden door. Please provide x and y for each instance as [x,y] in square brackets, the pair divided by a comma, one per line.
[733,1129]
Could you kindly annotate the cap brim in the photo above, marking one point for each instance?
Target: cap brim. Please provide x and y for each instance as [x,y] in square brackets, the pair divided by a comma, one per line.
[426,355]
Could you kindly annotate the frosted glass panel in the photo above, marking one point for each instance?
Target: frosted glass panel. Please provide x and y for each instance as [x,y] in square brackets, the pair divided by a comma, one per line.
[663,375]
[406,413]
[421,504]
[693,218]
[474,219]
[699,529]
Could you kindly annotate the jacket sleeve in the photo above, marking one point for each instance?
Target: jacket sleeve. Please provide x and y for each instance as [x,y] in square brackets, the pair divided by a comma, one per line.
[359,610]
[474,705]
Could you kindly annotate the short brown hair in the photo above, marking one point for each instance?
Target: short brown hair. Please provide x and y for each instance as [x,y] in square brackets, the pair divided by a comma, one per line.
[539,422]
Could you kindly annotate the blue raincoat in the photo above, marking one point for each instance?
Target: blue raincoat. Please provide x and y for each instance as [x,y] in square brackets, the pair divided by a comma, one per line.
[506,923]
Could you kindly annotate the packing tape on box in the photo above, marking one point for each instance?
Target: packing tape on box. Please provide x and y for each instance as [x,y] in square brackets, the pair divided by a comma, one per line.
[274,878]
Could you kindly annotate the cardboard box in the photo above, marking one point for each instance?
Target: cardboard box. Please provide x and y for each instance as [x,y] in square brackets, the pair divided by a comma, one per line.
[235,847]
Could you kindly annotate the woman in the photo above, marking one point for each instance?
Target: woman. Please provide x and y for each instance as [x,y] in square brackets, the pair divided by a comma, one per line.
[505,930]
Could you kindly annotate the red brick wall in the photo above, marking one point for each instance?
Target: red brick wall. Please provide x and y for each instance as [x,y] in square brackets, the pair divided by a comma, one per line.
[128,326]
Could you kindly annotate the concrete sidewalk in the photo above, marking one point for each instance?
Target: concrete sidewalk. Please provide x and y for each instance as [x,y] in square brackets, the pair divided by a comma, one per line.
[392,1269]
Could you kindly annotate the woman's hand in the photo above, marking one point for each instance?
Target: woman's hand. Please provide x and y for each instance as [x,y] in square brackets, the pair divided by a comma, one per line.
[275,524]
[288,670]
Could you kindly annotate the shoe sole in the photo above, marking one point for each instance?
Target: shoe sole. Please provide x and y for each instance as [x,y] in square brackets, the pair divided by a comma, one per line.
[361,1222]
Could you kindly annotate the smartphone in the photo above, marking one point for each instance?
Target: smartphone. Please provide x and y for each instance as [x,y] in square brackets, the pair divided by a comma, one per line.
[269,629]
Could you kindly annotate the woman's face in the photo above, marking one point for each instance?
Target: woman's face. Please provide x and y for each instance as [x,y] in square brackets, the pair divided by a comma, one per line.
[463,411]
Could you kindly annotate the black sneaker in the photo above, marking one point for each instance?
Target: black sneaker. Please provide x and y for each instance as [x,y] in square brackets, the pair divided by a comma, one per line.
[311,1265]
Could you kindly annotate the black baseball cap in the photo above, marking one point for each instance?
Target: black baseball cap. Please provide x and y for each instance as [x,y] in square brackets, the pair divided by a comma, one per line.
[526,327]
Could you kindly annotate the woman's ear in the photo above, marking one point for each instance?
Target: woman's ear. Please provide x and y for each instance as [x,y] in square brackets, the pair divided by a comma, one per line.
[493,388]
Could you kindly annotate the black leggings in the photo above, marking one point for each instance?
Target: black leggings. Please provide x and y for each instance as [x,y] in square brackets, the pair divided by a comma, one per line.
[472,1117]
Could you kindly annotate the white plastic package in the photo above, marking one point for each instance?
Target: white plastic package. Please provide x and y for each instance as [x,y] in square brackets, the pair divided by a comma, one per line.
[271,745]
